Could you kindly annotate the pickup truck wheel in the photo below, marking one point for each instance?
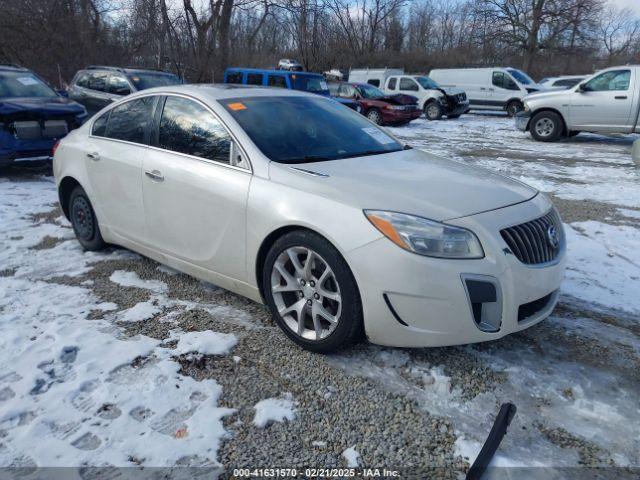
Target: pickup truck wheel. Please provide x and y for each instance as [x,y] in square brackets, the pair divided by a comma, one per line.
[514,107]
[375,116]
[546,126]
[433,111]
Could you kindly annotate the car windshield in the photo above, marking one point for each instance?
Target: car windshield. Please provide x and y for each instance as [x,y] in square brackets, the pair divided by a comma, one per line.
[520,76]
[144,80]
[302,130]
[427,83]
[23,84]
[308,83]
[369,91]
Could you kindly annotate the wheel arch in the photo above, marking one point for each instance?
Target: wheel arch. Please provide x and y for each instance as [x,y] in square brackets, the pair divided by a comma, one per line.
[512,99]
[272,237]
[547,109]
[65,187]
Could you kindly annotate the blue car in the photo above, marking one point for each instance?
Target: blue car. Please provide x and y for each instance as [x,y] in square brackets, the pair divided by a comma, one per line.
[305,81]
[33,116]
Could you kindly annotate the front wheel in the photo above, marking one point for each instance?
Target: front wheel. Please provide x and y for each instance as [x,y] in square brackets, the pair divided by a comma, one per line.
[546,126]
[311,292]
[433,111]
[84,221]
[375,116]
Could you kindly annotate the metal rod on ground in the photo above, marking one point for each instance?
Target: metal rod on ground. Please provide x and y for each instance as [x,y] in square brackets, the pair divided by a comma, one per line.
[497,433]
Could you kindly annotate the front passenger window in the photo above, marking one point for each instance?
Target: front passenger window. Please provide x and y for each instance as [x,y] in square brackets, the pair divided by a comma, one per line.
[188,127]
[502,80]
[408,84]
[607,81]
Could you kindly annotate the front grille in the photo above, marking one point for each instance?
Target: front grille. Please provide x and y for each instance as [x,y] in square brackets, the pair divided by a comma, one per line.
[528,310]
[533,242]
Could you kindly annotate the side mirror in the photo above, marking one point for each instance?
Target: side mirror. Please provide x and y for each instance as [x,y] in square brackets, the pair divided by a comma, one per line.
[582,88]
[237,157]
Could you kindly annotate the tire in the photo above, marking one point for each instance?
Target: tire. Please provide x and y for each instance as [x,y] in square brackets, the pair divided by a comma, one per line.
[84,221]
[375,116]
[546,126]
[433,111]
[513,107]
[300,292]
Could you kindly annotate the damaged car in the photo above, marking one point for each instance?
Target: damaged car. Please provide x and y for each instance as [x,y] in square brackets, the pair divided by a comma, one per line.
[33,116]
[380,108]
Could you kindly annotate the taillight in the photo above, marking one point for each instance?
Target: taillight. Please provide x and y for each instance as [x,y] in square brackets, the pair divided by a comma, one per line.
[54,148]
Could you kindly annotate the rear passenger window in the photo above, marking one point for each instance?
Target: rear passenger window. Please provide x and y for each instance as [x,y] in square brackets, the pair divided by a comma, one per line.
[188,127]
[374,81]
[234,77]
[254,79]
[130,120]
[392,83]
[100,125]
[277,81]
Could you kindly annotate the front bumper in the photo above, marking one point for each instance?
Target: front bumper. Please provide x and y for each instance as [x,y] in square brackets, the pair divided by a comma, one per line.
[458,109]
[522,120]
[394,117]
[415,301]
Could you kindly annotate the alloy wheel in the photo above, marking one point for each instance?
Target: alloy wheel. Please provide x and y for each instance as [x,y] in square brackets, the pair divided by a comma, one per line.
[306,293]
[544,127]
[374,116]
[433,111]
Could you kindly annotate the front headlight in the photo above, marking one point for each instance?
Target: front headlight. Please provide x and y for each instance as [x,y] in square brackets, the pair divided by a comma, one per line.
[394,107]
[426,237]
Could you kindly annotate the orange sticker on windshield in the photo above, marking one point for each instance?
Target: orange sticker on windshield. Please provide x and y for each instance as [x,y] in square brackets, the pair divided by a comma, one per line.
[237,106]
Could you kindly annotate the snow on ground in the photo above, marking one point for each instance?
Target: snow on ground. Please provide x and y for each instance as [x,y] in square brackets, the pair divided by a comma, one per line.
[274,410]
[205,343]
[78,392]
[352,457]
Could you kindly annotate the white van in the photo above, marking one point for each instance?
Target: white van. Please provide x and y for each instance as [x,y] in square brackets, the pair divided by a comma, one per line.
[433,100]
[495,88]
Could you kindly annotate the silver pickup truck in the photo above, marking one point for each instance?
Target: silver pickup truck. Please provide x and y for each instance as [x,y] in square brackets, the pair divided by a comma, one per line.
[606,102]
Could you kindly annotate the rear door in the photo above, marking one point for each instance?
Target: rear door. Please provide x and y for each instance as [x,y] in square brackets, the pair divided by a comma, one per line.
[605,103]
[114,164]
[195,186]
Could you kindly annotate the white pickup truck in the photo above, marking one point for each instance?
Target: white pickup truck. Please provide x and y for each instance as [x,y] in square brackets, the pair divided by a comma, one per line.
[434,100]
[606,102]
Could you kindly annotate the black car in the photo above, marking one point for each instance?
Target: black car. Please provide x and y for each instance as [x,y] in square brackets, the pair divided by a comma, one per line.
[33,116]
[96,87]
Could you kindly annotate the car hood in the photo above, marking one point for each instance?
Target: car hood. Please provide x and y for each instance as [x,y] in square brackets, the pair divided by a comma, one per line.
[410,181]
[544,94]
[452,91]
[53,106]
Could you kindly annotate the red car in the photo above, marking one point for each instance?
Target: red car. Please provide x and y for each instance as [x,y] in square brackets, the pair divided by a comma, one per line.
[377,106]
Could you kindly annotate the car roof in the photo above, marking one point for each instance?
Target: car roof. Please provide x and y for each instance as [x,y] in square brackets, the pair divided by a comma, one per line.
[272,71]
[126,70]
[222,91]
[12,68]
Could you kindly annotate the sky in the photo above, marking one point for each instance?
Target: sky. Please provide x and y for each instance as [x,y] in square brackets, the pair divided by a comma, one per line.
[632,4]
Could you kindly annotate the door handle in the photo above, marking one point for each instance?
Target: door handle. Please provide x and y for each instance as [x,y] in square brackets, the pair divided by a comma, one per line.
[620,97]
[154,175]
[95,156]
[482,88]
[492,89]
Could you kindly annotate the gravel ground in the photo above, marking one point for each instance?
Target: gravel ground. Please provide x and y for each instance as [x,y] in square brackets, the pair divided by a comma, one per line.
[379,400]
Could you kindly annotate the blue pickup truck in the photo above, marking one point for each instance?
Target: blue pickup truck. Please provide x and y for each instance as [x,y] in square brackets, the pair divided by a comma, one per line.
[33,116]
[305,81]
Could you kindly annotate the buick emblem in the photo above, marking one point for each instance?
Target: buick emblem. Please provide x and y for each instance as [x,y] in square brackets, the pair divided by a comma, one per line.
[552,237]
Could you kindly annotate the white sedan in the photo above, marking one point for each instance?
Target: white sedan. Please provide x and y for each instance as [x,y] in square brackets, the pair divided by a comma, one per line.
[296,201]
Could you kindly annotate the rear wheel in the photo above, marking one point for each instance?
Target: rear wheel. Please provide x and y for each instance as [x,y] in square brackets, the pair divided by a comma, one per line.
[514,107]
[375,116]
[433,110]
[311,292]
[84,221]
[546,126]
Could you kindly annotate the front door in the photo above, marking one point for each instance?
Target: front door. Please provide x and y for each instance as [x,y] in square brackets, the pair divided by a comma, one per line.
[195,195]
[604,102]
[115,165]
